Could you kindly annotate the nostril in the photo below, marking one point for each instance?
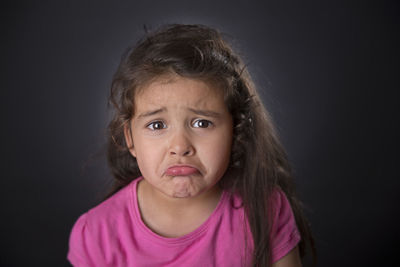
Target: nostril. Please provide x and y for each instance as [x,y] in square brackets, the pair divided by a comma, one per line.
[183,152]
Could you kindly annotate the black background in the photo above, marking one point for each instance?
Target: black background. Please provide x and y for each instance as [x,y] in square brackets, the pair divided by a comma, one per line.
[328,71]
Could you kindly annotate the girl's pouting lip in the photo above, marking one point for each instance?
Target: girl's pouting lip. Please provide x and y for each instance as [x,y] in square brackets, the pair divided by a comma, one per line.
[181,170]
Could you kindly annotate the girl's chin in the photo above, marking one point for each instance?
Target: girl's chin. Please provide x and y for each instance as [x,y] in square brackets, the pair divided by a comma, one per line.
[183,189]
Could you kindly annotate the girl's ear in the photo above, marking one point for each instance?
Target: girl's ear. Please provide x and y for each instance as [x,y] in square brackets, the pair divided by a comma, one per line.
[129,139]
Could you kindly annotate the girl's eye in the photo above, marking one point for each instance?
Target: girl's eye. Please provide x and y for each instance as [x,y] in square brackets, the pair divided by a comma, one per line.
[202,123]
[156,125]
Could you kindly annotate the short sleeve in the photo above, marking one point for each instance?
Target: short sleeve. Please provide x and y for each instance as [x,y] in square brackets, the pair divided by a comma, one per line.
[284,232]
[78,243]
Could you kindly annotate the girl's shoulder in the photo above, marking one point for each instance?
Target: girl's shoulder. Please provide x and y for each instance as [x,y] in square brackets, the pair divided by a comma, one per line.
[111,208]
[119,203]
[92,227]
[284,234]
[277,200]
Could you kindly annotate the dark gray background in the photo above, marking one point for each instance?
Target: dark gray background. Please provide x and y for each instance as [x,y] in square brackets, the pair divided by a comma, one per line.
[328,71]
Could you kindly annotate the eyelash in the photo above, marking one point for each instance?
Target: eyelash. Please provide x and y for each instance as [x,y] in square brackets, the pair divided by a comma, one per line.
[151,125]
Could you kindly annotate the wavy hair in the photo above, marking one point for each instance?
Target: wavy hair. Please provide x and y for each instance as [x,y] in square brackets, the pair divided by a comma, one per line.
[258,163]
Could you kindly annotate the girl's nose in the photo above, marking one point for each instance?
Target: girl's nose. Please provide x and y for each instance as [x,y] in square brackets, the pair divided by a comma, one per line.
[181,145]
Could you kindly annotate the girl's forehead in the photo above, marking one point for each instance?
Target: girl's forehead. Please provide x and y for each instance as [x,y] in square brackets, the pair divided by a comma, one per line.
[181,94]
[188,89]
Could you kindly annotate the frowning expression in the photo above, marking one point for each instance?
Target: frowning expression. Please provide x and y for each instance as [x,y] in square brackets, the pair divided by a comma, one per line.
[182,136]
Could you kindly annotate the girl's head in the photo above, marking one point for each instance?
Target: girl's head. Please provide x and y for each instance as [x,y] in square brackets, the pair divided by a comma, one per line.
[194,52]
[181,66]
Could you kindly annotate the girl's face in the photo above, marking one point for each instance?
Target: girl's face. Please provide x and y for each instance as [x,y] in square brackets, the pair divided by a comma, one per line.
[182,136]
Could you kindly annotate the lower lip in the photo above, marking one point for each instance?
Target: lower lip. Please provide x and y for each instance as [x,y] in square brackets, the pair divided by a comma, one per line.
[181,171]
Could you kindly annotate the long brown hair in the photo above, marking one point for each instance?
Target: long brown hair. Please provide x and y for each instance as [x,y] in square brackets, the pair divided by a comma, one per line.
[258,163]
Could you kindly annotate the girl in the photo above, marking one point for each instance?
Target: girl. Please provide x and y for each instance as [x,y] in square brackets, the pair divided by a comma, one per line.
[200,176]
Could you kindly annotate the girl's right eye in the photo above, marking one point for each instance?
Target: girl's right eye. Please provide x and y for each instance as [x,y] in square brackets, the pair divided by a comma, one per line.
[156,125]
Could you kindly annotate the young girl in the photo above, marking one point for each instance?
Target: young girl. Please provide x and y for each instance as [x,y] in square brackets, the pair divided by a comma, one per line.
[200,176]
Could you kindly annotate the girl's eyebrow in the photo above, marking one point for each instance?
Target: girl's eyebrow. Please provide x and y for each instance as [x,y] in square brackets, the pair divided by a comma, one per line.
[151,113]
[207,113]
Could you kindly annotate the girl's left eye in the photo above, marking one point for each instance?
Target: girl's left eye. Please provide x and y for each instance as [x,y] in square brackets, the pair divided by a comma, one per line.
[202,123]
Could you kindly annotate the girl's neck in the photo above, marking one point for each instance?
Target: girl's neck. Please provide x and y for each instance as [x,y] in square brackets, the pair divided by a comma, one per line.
[174,217]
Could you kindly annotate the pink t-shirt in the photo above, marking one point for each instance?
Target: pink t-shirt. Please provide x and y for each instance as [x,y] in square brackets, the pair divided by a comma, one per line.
[113,234]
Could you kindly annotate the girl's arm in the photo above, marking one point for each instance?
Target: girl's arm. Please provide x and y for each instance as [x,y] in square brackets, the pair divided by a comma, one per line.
[292,259]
